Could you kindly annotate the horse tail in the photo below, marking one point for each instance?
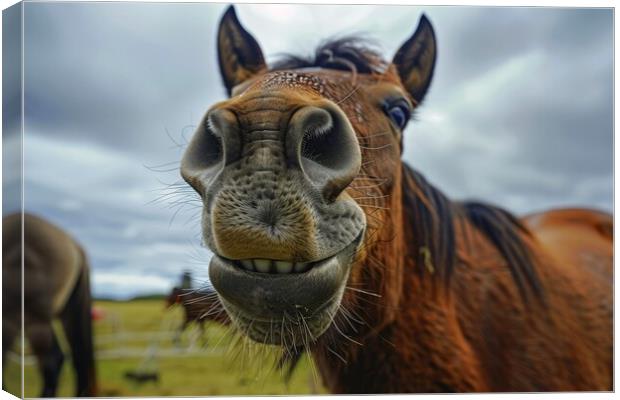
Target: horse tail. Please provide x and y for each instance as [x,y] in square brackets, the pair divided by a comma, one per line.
[77,322]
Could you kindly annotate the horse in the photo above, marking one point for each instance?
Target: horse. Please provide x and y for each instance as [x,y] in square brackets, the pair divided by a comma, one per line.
[198,306]
[55,285]
[325,241]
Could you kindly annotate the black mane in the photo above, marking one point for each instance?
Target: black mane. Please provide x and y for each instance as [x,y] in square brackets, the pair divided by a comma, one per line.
[433,216]
[350,53]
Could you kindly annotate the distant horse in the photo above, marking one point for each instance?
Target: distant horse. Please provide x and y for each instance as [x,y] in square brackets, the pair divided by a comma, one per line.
[198,306]
[324,240]
[56,285]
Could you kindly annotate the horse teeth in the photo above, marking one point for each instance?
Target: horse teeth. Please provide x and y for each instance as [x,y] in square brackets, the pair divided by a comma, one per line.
[273,266]
[247,264]
[301,266]
[284,267]
[262,265]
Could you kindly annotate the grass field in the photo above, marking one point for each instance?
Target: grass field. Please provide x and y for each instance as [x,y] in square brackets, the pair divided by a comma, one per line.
[131,331]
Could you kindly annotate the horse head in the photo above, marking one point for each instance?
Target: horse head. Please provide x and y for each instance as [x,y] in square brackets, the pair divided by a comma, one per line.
[174,297]
[296,171]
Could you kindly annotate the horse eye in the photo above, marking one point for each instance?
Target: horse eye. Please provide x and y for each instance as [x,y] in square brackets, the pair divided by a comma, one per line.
[399,113]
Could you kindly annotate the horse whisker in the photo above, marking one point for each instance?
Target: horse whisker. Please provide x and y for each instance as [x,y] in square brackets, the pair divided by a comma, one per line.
[363,291]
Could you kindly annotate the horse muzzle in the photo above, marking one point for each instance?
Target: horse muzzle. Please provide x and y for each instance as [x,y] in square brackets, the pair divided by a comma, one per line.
[272,168]
[291,308]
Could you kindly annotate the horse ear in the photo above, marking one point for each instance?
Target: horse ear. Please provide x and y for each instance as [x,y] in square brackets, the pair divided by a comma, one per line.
[239,54]
[415,60]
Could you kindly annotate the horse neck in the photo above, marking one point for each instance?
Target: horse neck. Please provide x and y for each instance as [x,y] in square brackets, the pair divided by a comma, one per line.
[424,321]
[413,251]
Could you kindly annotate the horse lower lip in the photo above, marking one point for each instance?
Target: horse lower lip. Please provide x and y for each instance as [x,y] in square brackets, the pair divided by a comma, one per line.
[271,295]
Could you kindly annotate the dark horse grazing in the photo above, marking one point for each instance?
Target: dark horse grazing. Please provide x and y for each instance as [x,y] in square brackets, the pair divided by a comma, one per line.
[198,306]
[326,241]
[56,285]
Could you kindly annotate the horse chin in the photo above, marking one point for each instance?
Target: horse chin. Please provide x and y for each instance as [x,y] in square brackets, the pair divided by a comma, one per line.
[284,309]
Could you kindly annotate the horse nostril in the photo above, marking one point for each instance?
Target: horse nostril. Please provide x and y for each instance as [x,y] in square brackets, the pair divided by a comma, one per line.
[322,143]
[223,124]
[214,144]
[318,137]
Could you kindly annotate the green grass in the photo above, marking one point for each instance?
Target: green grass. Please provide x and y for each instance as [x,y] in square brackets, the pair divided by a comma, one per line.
[222,367]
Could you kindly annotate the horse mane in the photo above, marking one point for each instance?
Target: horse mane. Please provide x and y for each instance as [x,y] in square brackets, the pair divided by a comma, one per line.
[434,219]
[348,53]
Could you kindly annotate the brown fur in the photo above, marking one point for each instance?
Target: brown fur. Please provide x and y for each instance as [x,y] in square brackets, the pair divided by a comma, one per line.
[478,334]
[442,296]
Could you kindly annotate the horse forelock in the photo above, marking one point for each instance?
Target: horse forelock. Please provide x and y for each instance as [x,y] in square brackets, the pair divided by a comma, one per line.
[349,53]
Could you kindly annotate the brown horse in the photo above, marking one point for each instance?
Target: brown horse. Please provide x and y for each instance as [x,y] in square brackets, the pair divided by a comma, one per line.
[198,306]
[326,241]
[56,285]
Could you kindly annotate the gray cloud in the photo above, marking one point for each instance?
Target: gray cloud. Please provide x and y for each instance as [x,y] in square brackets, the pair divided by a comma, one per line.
[113,205]
[118,74]
[520,113]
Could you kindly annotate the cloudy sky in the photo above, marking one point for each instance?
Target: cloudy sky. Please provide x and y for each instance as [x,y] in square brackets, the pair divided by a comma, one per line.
[520,114]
